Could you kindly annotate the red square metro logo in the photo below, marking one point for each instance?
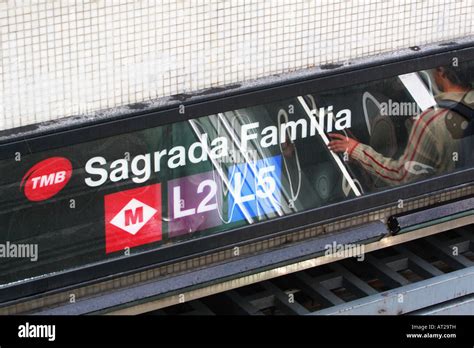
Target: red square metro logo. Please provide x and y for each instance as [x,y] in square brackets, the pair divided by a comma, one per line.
[132,218]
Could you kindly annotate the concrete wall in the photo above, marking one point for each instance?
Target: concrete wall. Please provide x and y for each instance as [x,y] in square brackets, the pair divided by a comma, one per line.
[61,58]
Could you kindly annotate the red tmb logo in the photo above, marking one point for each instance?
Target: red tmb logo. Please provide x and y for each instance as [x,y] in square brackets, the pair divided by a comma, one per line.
[46,178]
[132,218]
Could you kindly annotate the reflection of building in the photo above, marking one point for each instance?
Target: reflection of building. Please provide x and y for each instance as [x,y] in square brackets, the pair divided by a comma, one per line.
[198,151]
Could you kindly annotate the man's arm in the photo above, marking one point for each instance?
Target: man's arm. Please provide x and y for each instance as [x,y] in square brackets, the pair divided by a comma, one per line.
[419,155]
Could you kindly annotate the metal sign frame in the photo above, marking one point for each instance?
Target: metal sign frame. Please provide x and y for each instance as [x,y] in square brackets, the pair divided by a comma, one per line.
[210,104]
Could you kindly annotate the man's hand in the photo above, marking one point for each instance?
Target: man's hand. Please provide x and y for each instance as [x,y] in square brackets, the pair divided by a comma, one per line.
[288,148]
[341,143]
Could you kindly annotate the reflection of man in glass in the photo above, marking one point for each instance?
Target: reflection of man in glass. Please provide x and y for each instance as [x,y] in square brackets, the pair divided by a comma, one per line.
[432,146]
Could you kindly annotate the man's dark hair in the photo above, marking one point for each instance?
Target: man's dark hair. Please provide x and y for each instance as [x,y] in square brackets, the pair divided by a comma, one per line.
[461,76]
